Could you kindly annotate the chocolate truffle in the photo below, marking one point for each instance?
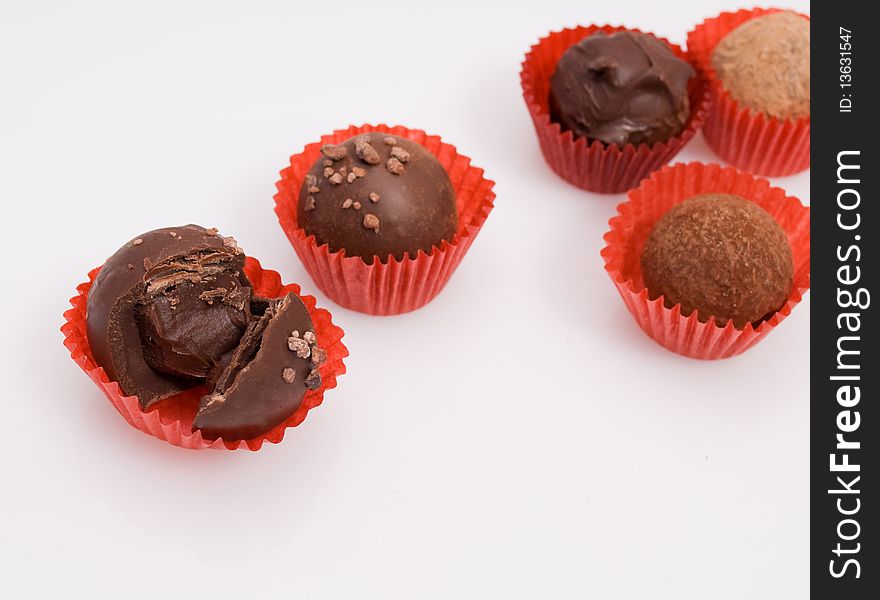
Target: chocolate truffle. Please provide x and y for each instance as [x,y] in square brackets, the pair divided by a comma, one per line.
[623,88]
[720,255]
[165,307]
[765,65]
[173,309]
[378,195]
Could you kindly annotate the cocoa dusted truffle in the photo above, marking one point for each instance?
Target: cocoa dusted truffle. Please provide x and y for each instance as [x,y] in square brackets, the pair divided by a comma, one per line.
[623,88]
[720,255]
[376,195]
[765,65]
[172,309]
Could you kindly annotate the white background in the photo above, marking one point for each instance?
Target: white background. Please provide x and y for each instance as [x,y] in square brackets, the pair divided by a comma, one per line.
[519,437]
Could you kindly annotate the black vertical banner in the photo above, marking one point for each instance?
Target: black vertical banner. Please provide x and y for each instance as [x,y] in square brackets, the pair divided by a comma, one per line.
[845,225]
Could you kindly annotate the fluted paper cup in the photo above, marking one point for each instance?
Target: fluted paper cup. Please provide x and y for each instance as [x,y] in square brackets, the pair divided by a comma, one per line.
[749,140]
[686,334]
[591,164]
[393,286]
[171,419]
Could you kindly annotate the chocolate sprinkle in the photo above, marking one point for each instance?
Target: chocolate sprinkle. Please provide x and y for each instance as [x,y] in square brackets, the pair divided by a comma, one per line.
[310,203]
[374,197]
[334,152]
[347,203]
[336,179]
[371,221]
[359,172]
[390,141]
[137,242]
[319,356]
[313,381]
[394,166]
[328,171]
[356,205]
[400,154]
[328,163]
[367,153]
[299,345]
[288,375]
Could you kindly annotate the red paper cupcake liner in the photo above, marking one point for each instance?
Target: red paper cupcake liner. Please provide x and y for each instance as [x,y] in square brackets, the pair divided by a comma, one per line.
[396,286]
[748,140]
[593,165]
[625,241]
[171,420]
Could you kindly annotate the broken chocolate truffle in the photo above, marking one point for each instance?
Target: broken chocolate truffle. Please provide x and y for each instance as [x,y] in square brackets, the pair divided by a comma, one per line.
[623,88]
[417,209]
[719,255]
[765,65]
[165,307]
[187,317]
[264,380]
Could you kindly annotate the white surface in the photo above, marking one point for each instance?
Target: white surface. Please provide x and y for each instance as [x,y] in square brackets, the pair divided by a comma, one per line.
[520,437]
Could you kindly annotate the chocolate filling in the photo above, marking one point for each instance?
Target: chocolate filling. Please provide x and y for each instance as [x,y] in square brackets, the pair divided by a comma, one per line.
[188,325]
[227,369]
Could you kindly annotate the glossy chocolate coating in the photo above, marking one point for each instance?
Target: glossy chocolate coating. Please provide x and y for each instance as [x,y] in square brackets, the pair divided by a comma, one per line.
[264,380]
[623,88]
[150,349]
[376,195]
[720,255]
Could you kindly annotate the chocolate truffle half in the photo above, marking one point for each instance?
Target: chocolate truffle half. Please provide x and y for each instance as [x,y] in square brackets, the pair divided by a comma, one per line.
[165,307]
[765,65]
[378,195]
[623,88]
[719,255]
[263,381]
[173,309]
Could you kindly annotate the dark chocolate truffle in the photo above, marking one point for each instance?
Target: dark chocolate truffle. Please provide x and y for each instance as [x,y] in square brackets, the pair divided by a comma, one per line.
[376,195]
[173,309]
[623,88]
[765,65]
[264,380]
[720,255]
[165,307]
